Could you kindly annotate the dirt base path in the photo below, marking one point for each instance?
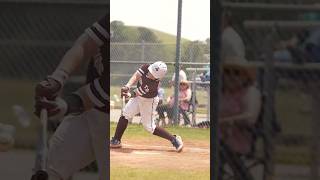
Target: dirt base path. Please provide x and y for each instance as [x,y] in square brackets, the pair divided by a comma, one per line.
[161,154]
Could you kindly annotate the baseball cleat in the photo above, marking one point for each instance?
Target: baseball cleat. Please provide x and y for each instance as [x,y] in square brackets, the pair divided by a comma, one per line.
[115,143]
[177,143]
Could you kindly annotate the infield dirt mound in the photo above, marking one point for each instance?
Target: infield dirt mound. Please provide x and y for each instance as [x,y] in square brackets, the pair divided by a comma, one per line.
[161,154]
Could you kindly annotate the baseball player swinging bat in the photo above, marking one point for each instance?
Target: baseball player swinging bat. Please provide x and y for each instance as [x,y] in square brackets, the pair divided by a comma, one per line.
[41,173]
[144,101]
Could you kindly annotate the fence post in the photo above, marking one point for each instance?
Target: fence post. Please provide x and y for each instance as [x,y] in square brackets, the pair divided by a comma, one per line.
[208,101]
[269,89]
[194,107]
[215,98]
[177,64]
[315,144]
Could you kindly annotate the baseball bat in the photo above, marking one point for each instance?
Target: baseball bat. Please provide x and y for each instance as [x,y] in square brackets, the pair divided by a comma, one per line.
[41,173]
[123,103]
[44,120]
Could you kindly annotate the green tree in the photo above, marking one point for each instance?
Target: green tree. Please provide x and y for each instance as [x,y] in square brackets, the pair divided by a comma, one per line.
[117,29]
[147,35]
[207,47]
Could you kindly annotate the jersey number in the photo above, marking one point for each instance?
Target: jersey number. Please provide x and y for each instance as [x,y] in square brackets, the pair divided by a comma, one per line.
[146,88]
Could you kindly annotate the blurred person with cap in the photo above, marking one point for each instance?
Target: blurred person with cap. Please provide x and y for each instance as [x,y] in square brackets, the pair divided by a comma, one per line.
[185,94]
[240,106]
[232,45]
[182,75]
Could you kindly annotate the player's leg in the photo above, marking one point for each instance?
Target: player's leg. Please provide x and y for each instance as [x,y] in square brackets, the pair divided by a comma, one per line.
[147,110]
[130,109]
[70,148]
[97,126]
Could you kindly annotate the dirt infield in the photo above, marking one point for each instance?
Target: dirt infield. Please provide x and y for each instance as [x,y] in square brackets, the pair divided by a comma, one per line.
[161,154]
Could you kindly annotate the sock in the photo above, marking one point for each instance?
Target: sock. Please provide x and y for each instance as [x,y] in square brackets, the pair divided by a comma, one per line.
[121,127]
[159,131]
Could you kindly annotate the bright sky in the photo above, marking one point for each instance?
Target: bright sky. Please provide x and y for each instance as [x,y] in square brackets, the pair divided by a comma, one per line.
[162,15]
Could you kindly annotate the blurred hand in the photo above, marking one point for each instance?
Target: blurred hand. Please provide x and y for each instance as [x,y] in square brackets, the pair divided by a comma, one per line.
[127,95]
[124,91]
[48,88]
[56,108]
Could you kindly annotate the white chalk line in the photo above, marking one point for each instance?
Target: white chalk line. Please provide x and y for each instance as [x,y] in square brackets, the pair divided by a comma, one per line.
[145,153]
[190,149]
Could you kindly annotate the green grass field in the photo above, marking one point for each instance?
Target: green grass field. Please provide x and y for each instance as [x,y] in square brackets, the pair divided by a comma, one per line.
[19,92]
[136,131]
[128,173]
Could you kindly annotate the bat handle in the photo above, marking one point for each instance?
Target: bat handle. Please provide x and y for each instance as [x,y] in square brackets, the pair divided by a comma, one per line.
[123,104]
[44,116]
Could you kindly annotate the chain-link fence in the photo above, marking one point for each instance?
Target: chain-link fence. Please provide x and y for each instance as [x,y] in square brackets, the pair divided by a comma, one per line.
[268,118]
[34,37]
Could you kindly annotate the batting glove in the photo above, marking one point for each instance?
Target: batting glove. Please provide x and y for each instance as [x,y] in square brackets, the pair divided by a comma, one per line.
[57,108]
[124,91]
[48,88]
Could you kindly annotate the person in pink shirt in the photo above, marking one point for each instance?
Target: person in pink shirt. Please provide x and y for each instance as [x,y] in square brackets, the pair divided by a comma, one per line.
[184,99]
[240,107]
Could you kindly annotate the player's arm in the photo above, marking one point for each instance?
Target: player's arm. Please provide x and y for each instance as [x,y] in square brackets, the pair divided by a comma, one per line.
[94,94]
[126,88]
[82,50]
[85,47]
[133,80]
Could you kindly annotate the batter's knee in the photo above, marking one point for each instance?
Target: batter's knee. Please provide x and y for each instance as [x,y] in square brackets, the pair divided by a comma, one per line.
[126,115]
[150,127]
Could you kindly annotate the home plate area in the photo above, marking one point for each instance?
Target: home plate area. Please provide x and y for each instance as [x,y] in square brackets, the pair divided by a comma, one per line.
[162,155]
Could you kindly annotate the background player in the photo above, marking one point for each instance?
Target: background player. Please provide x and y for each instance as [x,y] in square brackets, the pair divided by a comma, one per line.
[145,102]
[80,139]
